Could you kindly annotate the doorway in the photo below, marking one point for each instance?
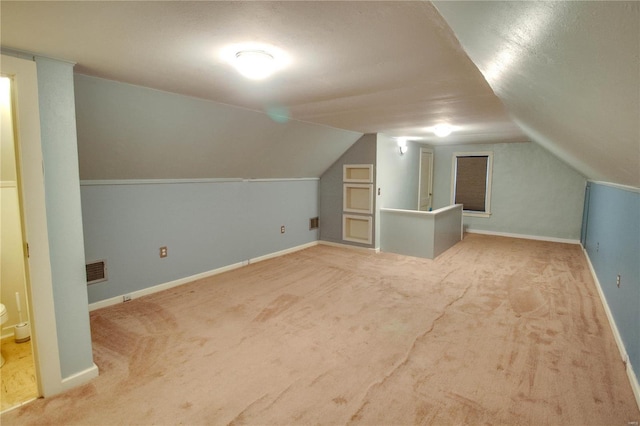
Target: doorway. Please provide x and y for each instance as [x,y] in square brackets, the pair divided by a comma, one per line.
[18,376]
[425,183]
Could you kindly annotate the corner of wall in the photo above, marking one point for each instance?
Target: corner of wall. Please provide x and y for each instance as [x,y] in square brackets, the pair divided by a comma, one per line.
[64,213]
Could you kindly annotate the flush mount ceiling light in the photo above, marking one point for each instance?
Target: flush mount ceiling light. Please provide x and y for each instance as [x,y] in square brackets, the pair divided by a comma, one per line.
[255,64]
[255,61]
[442,130]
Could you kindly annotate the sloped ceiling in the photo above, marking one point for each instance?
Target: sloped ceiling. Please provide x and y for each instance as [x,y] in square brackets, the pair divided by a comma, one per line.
[567,72]
[132,132]
[365,67]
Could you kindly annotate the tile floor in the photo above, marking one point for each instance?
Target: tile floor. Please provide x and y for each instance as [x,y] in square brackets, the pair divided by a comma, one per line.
[17,374]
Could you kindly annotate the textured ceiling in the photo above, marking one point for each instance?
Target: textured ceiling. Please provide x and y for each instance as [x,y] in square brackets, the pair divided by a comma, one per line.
[388,67]
[568,73]
[565,73]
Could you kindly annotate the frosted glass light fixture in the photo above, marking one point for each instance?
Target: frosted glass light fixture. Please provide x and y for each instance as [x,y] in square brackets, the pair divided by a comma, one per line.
[402,145]
[255,61]
[255,64]
[442,130]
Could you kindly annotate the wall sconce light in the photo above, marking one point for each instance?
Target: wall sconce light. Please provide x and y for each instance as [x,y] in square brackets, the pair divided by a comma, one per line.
[402,145]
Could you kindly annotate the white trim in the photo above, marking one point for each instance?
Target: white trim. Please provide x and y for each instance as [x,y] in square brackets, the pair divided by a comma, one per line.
[165,286]
[475,214]
[281,179]
[8,332]
[283,252]
[633,379]
[40,300]
[430,188]
[80,378]
[98,182]
[15,407]
[346,234]
[347,196]
[368,167]
[523,236]
[348,246]
[616,185]
[422,212]
[155,181]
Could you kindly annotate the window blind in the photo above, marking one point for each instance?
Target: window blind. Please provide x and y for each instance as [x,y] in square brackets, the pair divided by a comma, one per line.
[471,182]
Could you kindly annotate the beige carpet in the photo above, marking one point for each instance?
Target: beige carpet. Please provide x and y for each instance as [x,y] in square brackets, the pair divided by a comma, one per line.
[494,331]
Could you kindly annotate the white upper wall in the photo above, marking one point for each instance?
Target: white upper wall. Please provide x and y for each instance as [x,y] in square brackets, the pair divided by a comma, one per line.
[567,72]
[132,132]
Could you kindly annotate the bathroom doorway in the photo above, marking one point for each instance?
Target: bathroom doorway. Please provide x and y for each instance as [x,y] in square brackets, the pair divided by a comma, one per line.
[18,373]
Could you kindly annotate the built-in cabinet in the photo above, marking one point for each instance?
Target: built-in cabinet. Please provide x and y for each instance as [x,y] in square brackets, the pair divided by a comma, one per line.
[357,204]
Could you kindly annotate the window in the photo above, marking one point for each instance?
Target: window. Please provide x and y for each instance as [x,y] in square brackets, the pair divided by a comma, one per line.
[471,182]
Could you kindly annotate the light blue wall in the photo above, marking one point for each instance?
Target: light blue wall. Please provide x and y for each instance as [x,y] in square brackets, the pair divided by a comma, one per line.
[398,175]
[64,217]
[613,244]
[533,192]
[361,152]
[397,178]
[395,175]
[205,225]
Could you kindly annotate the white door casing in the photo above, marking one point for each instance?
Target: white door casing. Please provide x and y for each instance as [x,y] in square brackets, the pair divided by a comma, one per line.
[425,183]
[30,167]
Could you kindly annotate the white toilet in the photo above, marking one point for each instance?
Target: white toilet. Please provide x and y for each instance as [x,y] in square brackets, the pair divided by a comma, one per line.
[4,316]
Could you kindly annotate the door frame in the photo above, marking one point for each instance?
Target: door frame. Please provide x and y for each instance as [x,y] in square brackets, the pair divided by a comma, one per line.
[31,190]
[430,189]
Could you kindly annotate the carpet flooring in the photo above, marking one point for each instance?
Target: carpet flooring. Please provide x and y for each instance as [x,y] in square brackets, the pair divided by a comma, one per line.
[493,331]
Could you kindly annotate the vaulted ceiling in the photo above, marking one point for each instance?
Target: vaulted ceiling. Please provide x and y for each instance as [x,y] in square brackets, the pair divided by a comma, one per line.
[562,74]
[567,72]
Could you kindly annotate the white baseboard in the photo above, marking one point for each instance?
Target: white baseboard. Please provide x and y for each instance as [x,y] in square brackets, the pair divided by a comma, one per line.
[165,286]
[348,246]
[79,378]
[523,236]
[283,252]
[633,379]
[8,332]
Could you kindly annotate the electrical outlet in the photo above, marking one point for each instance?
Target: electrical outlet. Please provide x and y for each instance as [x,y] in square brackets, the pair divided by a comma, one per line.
[126,298]
[163,251]
[597,246]
[618,280]
[282,229]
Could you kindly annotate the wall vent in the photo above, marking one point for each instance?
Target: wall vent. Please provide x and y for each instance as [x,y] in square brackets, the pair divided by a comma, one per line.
[96,271]
[314,223]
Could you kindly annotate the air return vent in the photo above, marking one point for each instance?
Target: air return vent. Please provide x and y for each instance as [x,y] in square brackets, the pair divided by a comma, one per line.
[313,223]
[96,271]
